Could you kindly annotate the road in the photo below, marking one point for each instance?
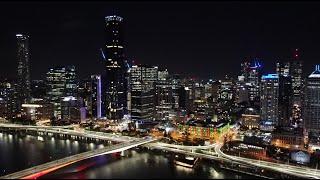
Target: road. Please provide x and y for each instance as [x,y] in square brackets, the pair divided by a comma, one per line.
[303,172]
[65,130]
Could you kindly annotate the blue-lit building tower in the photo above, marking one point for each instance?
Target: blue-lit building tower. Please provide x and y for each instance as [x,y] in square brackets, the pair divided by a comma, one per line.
[115,83]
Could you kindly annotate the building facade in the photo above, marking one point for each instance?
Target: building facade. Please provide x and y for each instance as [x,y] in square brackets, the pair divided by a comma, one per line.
[61,82]
[96,97]
[311,109]
[23,78]
[269,101]
[115,83]
[142,85]
[285,100]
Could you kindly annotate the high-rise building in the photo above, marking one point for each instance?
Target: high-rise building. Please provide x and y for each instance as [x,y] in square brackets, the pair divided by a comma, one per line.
[38,89]
[242,93]
[8,99]
[250,80]
[142,84]
[245,69]
[115,83]
[293,68]
[72,109]
[285,100]
[62,83]
[254,81]
[227,90]
[226,98]
[269,101]
[23,79]
[297,86]
[283,68]
[96,97]
[296,74]
[311,109]
[164,95]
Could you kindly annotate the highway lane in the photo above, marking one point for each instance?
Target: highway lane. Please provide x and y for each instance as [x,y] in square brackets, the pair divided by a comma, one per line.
[304,172]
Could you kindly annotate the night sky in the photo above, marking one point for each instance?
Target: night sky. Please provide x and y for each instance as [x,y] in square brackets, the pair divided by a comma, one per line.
[207,39]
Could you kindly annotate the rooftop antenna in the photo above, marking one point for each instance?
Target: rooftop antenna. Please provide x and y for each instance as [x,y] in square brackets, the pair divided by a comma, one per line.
[296,54]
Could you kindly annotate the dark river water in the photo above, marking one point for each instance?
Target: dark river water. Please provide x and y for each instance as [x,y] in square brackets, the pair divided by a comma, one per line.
[18,152]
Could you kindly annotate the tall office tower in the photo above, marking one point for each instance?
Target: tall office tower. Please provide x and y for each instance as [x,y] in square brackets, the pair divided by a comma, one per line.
[311,109]
[96,98]
[84,92]
[296,74]
[297,86]
[23,56]
[199,101]
[176,84]
[245,69]
[226,98]
[254,81]
[242,93]
[269,101]
[71,83]
[209,98]
[72,109]
[38,89]
[116,84]
[227,89]
[8,99]
[283,68]
[164,95]
[184,102]
[285,101]
[62,83]
[142,84]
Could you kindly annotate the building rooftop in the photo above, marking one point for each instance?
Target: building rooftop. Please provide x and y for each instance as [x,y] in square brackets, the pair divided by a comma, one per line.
[270,76]
[316,73]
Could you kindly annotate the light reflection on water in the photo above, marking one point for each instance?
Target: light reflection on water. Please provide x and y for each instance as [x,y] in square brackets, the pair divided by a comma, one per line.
[18,152]
[139,165]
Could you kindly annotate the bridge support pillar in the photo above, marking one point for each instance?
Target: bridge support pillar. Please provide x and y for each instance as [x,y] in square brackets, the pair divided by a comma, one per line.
[123,153]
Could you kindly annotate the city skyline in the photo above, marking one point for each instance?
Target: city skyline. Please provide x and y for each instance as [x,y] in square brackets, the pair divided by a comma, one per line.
[204,34]
[102,89]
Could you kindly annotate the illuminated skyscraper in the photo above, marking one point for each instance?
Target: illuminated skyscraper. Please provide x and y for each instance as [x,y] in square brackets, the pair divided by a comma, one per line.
[8,99]
[285,100]
[142,84]
[116,84]
[164,95]
[311,109]
[293,69]
[250,79]
[296,74]
[62,83]
[254,81]
[96,98]
[269,101]
[245,69]
[23,56]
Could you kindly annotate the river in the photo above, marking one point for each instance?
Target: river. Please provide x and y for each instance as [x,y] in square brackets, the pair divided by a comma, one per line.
[18,152]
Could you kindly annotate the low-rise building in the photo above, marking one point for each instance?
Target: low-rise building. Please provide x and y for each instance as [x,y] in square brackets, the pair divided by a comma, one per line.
[289,139]
[38,109]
